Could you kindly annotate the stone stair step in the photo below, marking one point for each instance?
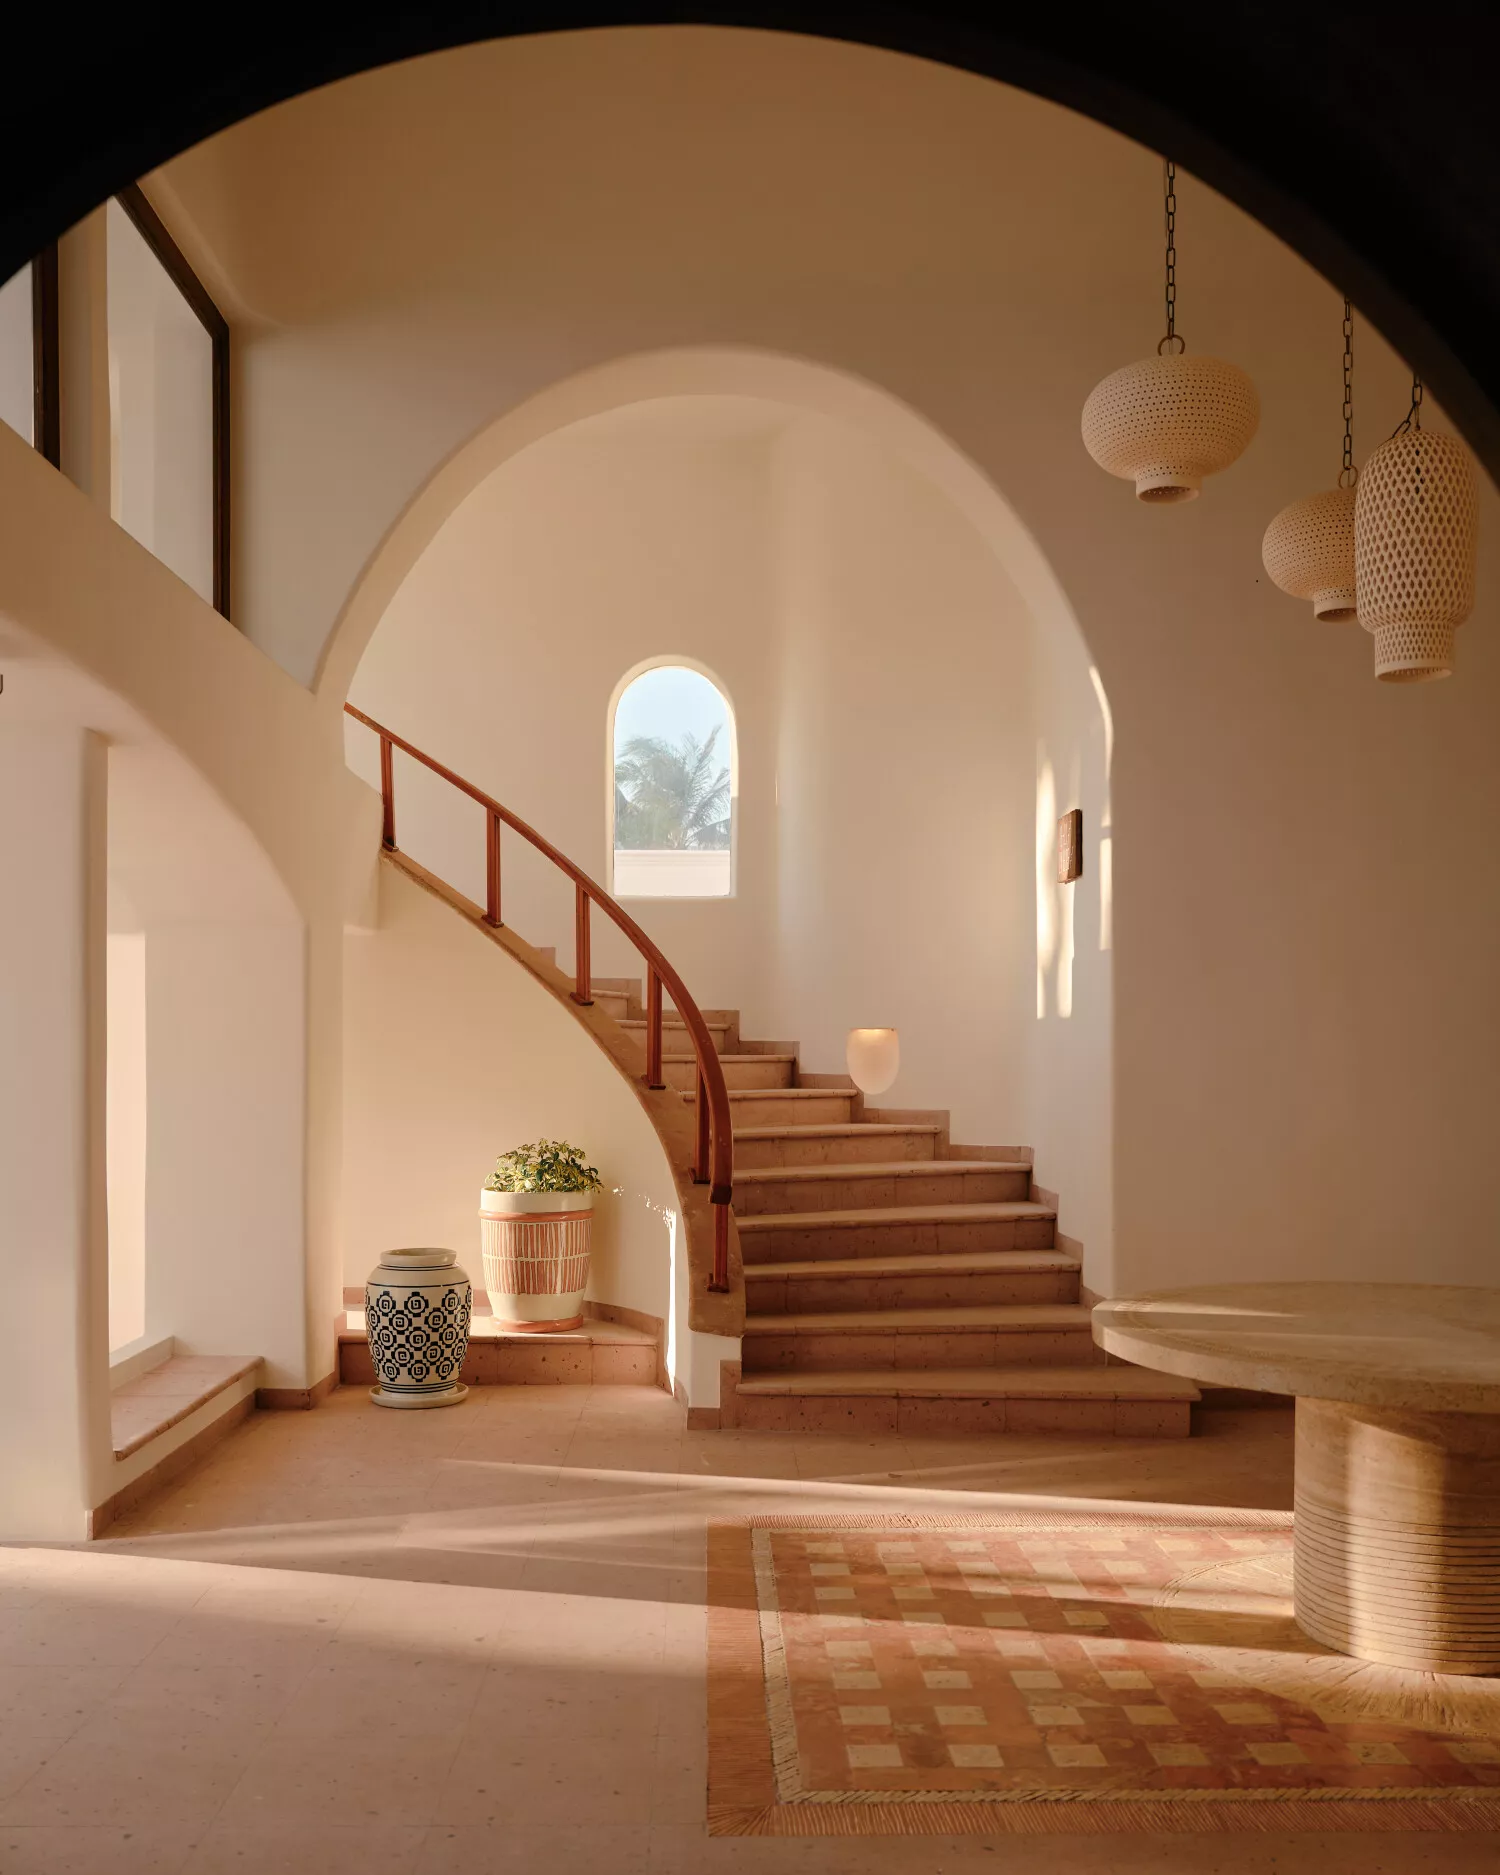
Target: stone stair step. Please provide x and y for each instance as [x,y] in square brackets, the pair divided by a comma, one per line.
[834,1143]
[913,1281]
[1126,1402]
[984,1336]
[720,1028]
[777,1106]
[894,1230]
[760,1191]
[740,1071]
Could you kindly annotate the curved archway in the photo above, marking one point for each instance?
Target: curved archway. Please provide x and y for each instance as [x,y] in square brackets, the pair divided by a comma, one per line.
[824,853]
[1396,221]
[687,372]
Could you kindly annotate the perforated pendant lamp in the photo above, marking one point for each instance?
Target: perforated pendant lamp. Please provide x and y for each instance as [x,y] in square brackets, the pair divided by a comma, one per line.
[1308,549]
[1416,538]
[1167,422]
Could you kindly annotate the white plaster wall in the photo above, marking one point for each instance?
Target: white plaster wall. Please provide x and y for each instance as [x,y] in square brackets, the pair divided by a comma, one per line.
[1069,1068]
[125,1135]
[904,783]
[1303,994]
[452,1055]
[233,794]
[879,658]
[54,1382]
[588,555]
[225,1174]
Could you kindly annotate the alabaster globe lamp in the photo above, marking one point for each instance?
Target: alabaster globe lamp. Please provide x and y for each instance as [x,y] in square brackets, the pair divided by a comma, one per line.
[874,1059]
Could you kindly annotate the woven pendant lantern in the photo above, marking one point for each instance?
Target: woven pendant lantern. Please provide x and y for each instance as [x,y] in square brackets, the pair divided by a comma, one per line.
[1308,549]
[1309,552]
[1166,422]
[1416,537]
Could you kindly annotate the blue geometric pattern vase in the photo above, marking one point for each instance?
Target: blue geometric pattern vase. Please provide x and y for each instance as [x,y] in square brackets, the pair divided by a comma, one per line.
[417,1305]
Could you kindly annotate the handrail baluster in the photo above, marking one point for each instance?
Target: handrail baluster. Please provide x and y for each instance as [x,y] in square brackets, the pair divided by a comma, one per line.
[702,1163]
[583,972]
[653,1030]
[387,797]
[492,869]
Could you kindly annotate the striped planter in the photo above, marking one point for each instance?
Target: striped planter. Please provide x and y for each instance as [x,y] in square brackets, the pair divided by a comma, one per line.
[536,1257]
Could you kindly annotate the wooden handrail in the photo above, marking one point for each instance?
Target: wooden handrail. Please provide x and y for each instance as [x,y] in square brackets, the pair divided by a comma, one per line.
[713,1157]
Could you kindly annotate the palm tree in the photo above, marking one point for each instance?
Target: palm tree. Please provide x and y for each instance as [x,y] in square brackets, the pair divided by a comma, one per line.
[670,794]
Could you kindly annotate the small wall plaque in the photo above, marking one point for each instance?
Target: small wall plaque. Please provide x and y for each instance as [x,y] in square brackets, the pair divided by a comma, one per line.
[1070,847]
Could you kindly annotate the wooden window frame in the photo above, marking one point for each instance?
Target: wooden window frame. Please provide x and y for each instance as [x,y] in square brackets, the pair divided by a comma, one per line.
[153,231]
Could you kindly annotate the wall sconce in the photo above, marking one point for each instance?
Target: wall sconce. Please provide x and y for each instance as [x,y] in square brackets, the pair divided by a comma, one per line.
[874,1058]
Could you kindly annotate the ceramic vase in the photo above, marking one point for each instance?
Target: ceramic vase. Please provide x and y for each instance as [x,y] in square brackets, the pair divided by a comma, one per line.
[536,1257]
[417,1306]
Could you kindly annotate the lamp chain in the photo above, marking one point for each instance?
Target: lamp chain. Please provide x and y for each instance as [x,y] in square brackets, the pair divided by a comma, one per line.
[1348,474]
[1169,202]
[1413,418]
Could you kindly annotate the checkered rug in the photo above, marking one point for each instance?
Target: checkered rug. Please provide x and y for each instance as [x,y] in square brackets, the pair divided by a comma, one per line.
[1061,1672]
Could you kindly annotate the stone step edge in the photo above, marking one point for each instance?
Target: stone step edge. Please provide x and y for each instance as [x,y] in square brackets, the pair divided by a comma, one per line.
[682,1060]
[485,1328]
[1019,1318]
[1001,1211]
[839,1129]
[874,1168]
[175,1407]
[987,1383]
[942,1263]
[673,1022]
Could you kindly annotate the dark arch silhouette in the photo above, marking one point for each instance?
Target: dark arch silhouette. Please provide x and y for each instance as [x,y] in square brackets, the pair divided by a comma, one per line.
[1362,132]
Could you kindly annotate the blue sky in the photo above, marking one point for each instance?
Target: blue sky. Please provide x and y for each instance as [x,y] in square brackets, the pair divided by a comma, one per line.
[668,701]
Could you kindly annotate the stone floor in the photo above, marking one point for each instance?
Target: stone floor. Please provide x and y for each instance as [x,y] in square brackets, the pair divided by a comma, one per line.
[473,1640]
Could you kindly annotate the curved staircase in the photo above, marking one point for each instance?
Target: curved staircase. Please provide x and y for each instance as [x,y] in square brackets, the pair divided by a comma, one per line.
[895,1282]
[892,1281]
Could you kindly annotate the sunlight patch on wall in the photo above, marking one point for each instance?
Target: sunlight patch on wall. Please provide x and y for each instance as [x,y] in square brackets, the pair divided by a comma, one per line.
[1046,876]
[1106,819]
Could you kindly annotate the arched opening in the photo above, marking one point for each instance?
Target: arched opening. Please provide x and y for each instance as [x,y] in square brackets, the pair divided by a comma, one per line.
[1349,201]
[673,785]
[795,535]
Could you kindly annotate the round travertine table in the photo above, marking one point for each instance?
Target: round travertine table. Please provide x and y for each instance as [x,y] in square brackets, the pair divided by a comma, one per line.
[1396,1526]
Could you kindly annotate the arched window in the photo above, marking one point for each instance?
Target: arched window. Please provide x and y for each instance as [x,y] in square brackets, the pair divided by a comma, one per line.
[673,759]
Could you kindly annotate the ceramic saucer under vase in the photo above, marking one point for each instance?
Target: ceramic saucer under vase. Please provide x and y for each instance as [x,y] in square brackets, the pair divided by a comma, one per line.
[417,1307]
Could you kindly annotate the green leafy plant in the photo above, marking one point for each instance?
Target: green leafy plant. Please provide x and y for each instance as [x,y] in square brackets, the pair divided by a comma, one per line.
[544,1165]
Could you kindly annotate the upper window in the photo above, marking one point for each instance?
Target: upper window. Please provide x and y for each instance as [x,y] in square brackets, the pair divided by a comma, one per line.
[168,350]
[17,369]
[674,787]
[28,353]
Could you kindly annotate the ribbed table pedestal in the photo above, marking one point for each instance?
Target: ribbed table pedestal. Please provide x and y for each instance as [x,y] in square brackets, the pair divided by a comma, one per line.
[1396,1540]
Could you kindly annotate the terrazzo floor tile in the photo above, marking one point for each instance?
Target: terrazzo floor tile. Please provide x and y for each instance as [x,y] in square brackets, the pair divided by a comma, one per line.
[488,1849]
[298,1849]
[526,1575]
[161,1849]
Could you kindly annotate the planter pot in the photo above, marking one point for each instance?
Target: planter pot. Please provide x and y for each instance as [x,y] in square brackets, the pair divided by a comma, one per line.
[417,1305]
[536,1257]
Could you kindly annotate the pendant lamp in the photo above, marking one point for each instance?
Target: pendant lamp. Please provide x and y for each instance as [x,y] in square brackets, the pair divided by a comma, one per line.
[1416,528]
[1166,422]
[1309,547]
